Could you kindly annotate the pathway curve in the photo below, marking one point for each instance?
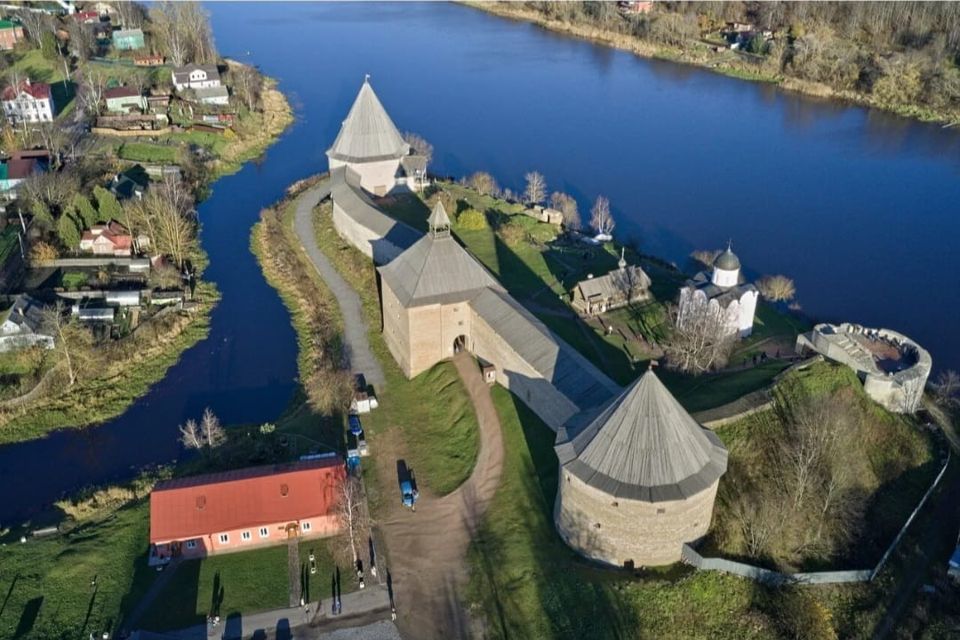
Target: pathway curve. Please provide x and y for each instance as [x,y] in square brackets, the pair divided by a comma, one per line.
[428,548]
[359,355]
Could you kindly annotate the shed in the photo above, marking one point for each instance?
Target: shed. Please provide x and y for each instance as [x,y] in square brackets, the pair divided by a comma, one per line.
[128,39]
[123,298]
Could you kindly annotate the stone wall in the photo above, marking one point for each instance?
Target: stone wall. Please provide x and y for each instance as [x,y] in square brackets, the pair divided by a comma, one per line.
[378,178]
[368,242]
[618,531]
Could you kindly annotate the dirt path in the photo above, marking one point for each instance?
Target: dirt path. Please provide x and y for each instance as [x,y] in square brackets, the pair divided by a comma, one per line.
[428,548]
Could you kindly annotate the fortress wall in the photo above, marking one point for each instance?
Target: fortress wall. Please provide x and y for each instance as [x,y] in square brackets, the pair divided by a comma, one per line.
[368,242]
[665,526]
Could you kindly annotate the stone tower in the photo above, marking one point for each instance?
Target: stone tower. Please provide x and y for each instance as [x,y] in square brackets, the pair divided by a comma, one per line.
[638,481]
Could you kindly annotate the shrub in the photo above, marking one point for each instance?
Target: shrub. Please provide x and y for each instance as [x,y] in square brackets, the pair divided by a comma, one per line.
[472,220]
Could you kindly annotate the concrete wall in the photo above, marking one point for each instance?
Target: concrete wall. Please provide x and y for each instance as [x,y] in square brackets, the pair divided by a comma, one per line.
[371,244]
[618,531]
[378,178]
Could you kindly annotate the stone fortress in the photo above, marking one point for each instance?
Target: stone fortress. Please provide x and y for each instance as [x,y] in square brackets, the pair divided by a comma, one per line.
[893,368]
[638,475]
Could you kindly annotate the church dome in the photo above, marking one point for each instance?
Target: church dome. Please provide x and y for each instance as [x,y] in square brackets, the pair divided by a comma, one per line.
[728,261]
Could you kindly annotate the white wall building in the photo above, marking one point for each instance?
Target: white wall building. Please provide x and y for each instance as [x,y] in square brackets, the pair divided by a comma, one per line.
[28,102]
[23,326]
[196,76]
[726,293]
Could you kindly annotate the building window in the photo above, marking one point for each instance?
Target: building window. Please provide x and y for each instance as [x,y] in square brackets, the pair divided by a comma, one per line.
[264,532]
[224,538]
[660,512]
[305,526]
[191,544]
[245,535]
[616,504]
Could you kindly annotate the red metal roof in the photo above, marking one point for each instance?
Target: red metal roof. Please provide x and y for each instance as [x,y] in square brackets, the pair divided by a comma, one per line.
[39,90]
[121,92]
[193,507]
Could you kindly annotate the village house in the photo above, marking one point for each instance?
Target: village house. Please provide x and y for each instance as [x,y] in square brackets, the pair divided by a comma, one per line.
[626,284]
[724,292]
[638,481]
[19,167]
[23,326]
[110,239]
[196,76]
[86,17]
[370,144]
[158,103]
[28,102]
[130,183]
[123,99]
[636,7]
[211,95]
[128,39]
[244,509]
[148,61]
[10,34]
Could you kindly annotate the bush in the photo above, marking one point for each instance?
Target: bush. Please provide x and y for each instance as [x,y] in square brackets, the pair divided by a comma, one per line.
[472,220]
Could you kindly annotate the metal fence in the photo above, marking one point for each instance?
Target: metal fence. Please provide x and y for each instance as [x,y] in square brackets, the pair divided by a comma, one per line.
[768,576]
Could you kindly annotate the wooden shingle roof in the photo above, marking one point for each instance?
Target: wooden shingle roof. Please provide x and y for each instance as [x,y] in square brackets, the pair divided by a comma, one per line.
[645,446]
[368,134]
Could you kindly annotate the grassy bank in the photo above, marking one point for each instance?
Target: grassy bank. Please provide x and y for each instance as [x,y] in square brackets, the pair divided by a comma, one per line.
[115,386]
[701,54]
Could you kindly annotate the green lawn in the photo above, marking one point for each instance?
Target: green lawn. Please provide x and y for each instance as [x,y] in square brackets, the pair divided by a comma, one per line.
[148,152]
[31,64]
[47,585]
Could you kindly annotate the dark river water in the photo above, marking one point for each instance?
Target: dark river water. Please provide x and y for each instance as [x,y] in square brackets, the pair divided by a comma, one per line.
[859,207]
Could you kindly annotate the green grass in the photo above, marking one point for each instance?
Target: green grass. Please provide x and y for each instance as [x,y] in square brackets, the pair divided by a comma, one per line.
[31,64]
[8,241]
[714,390]
[74,279]
[148,152]
[45,584]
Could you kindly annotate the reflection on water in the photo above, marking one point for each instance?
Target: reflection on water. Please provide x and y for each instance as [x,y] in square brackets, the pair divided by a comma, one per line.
[859,207]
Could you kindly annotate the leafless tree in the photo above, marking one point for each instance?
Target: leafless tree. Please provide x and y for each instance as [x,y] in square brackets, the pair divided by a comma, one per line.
[483,183]
[600,217]
[211,431]
[566,205]
[91,86]
[132,15]
[82,41]
[190,435]
[760,520]
[946,387]
[54,189]
[536,190]
[777,288]
[247,83]
[70,340]
[419,145]
[351,513]
[165,216]
[706,257]
[34,22]
[183,32]
[700,341]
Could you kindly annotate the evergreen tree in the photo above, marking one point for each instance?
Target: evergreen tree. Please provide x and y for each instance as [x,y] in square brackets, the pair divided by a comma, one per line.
[68,231]
[41,214]
[85,212]
[107,204]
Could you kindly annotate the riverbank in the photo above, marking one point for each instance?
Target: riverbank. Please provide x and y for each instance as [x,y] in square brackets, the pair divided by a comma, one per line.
[701,54]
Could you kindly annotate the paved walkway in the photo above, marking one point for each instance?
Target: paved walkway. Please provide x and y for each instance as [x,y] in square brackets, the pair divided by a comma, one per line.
[294,575]
[428,548]
[358,608]
[354,327]
[158,585]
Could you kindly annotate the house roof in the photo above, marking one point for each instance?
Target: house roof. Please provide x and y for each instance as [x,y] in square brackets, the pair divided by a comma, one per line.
[560,364]
[193,507]
[728,260]
[36,90]
[26,313]
[9,24]
[211,92]
[438,217]
[413,164]
[368,134]
[182,74]
[619,282]
[435,269]
[121,92]
[127,33]
[723,295]
[645,446]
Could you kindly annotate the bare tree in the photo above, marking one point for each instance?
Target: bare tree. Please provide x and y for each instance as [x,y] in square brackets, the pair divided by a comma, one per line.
[536,190]
[211,431]
[946,387]
[183,32]
[82,41]
[706,257]
[483,183]
[190,435]
[760,521]
[351,513]
[700,341]
[419,145]
[70,340]
[91,86]
[777,288]
[34,22]
[600,217]
[566,205]
[247,83]
[132,14]
[165,216]
[54,189]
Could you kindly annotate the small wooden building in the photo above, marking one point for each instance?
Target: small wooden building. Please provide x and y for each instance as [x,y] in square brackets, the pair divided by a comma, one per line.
[629,283]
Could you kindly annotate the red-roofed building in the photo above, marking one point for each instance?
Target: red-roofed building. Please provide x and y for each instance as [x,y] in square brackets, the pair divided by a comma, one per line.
[244,509]
[28,102]
[111,239]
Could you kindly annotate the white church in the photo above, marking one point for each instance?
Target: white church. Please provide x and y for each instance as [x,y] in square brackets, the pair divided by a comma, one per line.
[726,292]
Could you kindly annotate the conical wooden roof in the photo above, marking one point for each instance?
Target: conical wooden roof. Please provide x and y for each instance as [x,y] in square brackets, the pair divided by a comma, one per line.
[645,446]
[438,217]
[368,134]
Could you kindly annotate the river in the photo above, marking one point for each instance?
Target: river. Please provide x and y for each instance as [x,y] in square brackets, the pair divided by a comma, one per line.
[859,207]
